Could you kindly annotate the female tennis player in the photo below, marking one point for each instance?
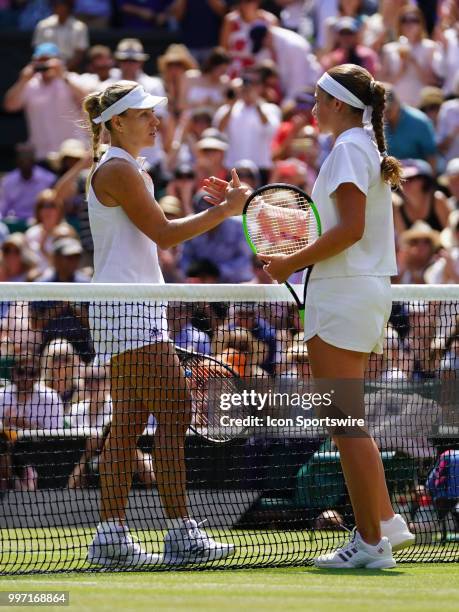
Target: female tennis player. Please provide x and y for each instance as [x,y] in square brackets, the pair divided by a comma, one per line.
[127,226]
[349,299]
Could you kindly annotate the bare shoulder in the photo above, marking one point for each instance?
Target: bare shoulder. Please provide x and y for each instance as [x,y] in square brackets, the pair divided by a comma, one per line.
[115,178]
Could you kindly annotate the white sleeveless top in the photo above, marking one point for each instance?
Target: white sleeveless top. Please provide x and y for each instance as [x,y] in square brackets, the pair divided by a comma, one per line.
[122,253]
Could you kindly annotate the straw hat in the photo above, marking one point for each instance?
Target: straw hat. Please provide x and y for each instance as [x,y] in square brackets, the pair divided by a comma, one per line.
[177,54]
[421,229]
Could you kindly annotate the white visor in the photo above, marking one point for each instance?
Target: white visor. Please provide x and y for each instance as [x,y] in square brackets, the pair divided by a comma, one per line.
[136,98]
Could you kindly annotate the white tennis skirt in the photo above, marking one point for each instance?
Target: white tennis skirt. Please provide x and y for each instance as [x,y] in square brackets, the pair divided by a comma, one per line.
[350,313]
[117,327]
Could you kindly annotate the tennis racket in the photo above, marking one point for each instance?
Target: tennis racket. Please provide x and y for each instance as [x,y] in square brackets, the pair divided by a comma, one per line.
[208,378]
[281,219]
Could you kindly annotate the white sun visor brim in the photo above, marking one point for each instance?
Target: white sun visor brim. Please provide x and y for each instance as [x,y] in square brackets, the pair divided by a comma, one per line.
[137,98]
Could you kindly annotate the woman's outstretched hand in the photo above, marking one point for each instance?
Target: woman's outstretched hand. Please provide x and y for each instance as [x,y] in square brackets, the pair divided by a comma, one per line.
[230,194]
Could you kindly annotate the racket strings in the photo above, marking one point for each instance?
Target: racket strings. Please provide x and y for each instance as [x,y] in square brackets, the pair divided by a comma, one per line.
[207,382]
[280,221]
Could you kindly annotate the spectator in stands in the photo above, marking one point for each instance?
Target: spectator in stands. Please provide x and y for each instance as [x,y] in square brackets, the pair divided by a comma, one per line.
[202,271]
[450,180]
[182,186]
[248,173]
[69,34]
[94,13]
[297,361]
[446,59]
[271,88]
[250,124]
[382,27]
[27,403]
[200,22]
[247,317]
[448,127]
[445,270]
[241,350]
[210,153]
[100,68]
[143,14]
[50,225]
[208,87]
[60,370]
[348,49]
[420,199]
[297,66]
[173,65]
[408,62]
[292,171]
[409,133]
[225,246]
[235,33]
[430,101]
[51,99]
[131,59]
[192,325]
[20,187]
[18,262]
[66,263]
[417,248]
[187,131]
[352,9]
[297,114]
[169,258]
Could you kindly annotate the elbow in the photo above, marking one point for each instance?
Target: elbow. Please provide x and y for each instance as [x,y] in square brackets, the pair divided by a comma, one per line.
[355,234]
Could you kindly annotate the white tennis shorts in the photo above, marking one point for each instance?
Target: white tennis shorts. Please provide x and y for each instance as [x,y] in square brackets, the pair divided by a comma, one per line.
[118,327]
[349,312]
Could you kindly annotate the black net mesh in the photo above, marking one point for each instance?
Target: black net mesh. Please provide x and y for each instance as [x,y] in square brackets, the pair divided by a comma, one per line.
[96,417]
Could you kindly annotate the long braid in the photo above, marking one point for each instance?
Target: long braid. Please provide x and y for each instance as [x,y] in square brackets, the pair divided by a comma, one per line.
[92,106]
[360,82]
[390,166]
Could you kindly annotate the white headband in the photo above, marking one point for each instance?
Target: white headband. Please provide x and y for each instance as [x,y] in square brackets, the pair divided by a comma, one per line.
[335,89]
[136,98]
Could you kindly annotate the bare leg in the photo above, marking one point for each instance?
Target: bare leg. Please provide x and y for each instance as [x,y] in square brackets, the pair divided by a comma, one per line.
[360,459]
[147,380]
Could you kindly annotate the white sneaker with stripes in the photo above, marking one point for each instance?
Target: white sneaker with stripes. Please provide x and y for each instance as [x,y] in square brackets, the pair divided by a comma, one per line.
[358,554]
[189,544]
[113,546]
[397,532]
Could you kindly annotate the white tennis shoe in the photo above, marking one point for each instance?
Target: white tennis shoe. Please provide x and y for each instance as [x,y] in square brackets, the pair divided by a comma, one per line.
[397,532]
[113,545]
[358,554]
[189,544]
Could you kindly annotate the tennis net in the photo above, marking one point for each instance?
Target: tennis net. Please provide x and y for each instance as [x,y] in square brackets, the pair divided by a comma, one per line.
[273,489]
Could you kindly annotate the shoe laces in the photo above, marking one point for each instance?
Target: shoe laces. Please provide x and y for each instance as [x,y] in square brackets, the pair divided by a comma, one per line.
[196,533]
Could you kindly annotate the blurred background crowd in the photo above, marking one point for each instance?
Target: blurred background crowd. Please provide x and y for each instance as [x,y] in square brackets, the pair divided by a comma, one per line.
[240,78]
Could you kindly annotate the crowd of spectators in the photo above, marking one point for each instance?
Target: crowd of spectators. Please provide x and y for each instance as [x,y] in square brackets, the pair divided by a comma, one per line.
[240,82]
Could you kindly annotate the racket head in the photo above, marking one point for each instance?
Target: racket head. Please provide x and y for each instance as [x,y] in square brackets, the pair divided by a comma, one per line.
[207,379]
[280,219]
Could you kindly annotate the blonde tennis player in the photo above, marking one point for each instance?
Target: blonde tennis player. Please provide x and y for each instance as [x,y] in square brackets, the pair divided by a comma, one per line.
[127,226]
[349,297]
